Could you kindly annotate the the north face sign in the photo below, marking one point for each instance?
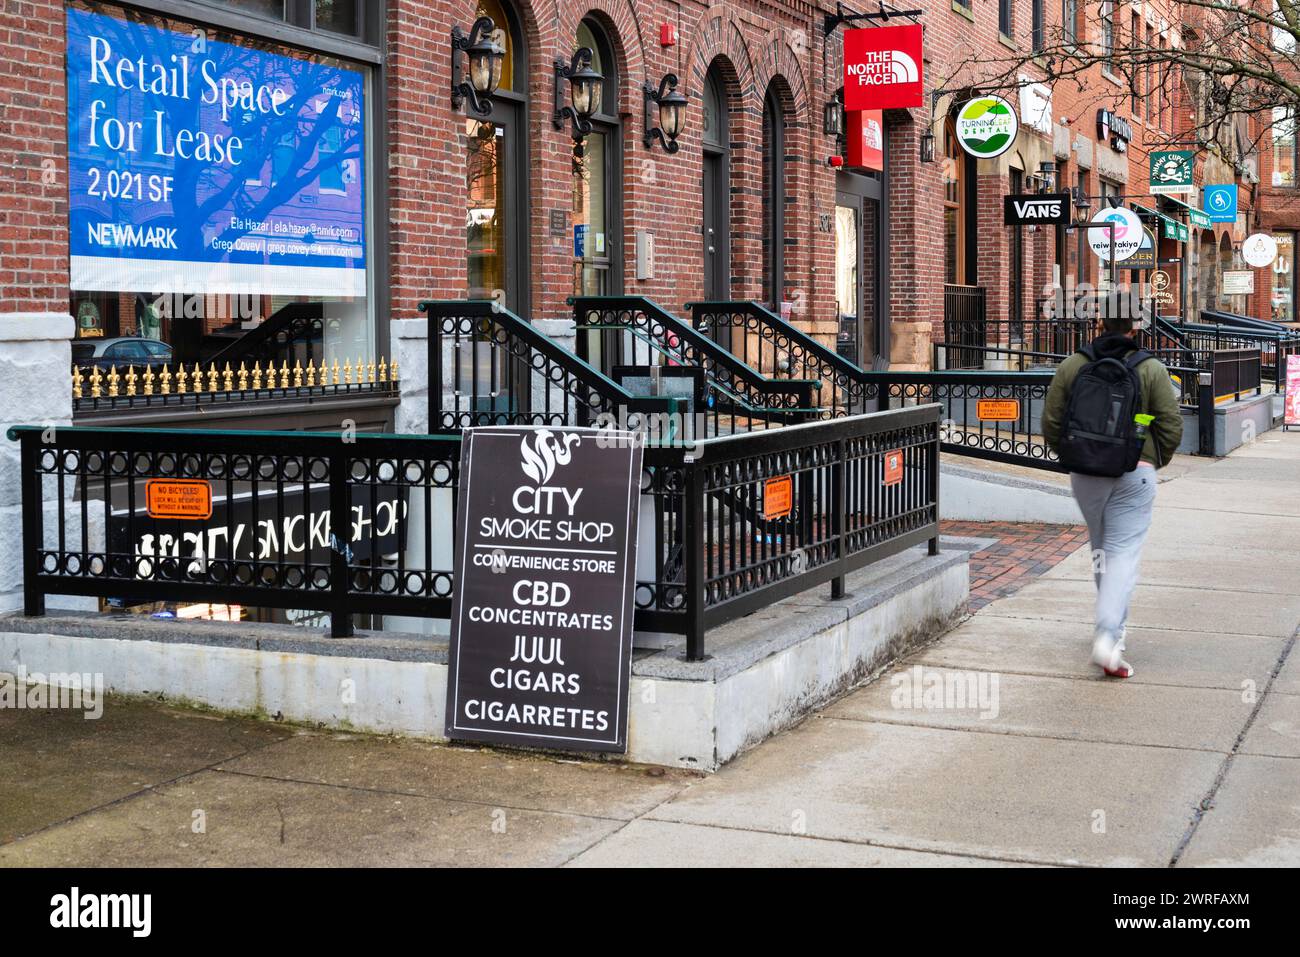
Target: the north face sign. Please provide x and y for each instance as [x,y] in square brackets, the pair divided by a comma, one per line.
[882,68]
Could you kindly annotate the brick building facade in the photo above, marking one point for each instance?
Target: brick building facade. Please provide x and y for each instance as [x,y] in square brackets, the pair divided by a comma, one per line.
[521,232]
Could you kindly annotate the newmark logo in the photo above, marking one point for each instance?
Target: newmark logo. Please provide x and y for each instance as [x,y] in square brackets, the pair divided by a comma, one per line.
[884,68]
[546,453]
[75,909]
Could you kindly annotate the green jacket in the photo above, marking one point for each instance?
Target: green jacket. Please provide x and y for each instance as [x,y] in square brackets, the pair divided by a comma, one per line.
[1158,399]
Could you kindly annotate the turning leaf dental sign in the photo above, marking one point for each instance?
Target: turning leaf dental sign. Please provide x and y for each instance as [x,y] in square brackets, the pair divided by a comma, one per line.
[545,565]
[200,166]
[986,126]
[882,68]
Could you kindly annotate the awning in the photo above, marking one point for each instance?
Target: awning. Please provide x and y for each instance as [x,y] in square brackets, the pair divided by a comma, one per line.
[1169,228]
[1199,217]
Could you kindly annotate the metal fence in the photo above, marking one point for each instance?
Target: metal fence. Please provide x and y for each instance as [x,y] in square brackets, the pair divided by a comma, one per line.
[364,525]
[964,322]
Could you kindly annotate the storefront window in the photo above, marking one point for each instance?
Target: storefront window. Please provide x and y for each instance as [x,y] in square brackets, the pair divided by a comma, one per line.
[218,184]
[1284,291]
[595,172]
[340,16]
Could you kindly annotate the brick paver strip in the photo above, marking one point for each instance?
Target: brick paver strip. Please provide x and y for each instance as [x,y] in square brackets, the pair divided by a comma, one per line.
[1024,550]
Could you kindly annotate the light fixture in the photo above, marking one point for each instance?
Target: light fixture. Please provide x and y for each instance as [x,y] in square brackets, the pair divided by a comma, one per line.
[927,146]
[585,86]
[833,118]
[485,56]
[672,113]
[1081,204]
[1047,176]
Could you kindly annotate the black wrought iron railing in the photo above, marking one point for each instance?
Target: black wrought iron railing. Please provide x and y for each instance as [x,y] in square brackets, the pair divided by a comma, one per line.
[331,522]
[964,321]
[764,341]
[489,367]
[294,333]
[364,524]
[623,335]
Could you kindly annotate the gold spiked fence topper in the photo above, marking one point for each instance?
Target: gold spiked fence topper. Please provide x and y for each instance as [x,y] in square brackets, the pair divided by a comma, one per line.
[132,381]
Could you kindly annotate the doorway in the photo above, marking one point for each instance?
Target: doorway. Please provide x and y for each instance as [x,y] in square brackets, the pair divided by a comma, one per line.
[716,191]
[861,267]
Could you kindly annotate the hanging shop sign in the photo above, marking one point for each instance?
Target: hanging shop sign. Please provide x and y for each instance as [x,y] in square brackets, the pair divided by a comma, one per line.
[1036,105]
[1220,202]
[545,562]
[1259,250]
[882,68]
[1239,282]
[1172,229]
[986,126]
[1199,218]
[865,139]
[1128,234]
[1030,209]
[1114,130]
[1145,257]
[209,167]
[1171,172]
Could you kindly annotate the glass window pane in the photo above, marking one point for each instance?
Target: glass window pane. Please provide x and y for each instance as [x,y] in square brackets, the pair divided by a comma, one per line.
[590,199]
[275,9]
[1283,299]
[485,210]
[221,216]
[339,16]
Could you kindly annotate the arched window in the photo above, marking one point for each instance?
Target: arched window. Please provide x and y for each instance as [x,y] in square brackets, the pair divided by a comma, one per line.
[773,201]
[597,179]
[496,181]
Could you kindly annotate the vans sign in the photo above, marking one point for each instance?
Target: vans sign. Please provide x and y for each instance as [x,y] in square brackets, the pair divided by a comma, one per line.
[1025,209]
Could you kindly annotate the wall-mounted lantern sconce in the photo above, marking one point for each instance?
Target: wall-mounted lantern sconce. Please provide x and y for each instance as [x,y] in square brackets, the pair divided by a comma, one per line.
[1047,176]
[833,118]
[1081,205]
[585,85]
[672,113]
[927,146]
[485,57]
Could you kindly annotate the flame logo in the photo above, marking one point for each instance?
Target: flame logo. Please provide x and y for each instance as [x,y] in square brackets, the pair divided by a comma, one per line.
[548,451]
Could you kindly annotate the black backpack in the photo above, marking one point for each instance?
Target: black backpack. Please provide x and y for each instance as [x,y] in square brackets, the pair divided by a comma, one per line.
[1099,437]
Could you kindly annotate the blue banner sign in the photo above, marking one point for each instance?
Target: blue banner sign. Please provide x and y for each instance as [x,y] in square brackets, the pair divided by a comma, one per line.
[1220,202]
[199,166]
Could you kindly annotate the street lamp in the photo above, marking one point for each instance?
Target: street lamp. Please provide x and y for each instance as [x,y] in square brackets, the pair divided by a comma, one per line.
[833,118]
[584,90]
[485,57]
[927,146]
[1047,176]
[672,113]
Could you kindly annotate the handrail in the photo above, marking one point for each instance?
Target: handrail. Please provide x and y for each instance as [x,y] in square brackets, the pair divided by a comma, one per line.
[283,320]
[714,352]
[447,316]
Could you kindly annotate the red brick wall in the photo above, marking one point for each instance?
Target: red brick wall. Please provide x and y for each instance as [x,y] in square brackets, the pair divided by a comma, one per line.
[33,156]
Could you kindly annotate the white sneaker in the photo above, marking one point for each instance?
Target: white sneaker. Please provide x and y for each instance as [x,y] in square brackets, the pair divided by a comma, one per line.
[1106,651]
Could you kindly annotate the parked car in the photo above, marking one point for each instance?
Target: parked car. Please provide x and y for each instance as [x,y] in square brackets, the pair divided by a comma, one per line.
[121,352]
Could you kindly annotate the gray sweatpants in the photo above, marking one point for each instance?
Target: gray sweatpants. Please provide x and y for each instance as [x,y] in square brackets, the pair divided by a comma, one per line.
[1118,513]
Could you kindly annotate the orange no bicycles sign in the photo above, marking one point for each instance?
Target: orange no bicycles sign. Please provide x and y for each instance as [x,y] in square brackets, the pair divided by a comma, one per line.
[178,498]
[997,410]
[778,497]
[893,467]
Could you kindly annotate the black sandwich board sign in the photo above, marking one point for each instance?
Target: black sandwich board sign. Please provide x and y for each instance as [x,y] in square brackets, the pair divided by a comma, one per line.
[1031,209]
[545,567]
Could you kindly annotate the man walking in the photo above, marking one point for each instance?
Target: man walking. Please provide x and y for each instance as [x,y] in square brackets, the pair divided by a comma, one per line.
[1112,418]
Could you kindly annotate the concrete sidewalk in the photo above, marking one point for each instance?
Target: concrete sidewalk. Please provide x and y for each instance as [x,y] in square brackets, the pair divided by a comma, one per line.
[1195,760]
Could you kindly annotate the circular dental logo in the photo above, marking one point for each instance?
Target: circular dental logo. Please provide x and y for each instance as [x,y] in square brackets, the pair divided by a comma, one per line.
[986,126]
